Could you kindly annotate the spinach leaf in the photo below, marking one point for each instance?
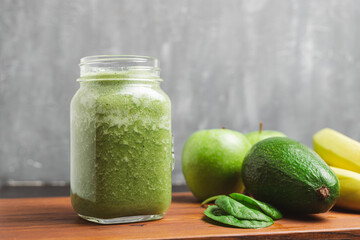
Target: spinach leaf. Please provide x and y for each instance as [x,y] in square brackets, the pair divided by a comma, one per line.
[239,210]
[252,203]
[219,215]
[210,199]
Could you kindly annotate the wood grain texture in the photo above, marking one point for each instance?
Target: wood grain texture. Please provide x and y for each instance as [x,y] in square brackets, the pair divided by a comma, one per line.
[53,218]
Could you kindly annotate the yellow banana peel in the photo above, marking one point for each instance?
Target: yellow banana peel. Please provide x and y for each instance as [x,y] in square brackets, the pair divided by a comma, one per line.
[349,188]
[337,150]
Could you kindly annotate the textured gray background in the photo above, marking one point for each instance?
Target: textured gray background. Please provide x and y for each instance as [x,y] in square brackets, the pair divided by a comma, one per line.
[293,64]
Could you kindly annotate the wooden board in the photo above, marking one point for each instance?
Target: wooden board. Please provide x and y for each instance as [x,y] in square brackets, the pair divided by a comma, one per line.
[53,218]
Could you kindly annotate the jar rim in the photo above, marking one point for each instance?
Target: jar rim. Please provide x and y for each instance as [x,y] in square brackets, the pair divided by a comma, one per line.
[129,67]
[138,60]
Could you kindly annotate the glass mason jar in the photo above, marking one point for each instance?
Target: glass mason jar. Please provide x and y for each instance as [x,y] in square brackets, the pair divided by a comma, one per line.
[121,141]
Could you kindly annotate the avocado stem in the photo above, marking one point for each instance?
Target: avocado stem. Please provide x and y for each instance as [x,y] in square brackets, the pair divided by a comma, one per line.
[261,127]
[323,192]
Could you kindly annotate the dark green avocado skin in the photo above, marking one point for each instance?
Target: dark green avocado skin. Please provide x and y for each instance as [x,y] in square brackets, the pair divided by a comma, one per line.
[286,174]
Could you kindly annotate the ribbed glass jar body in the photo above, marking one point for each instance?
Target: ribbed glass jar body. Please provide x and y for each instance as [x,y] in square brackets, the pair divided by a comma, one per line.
[121,141]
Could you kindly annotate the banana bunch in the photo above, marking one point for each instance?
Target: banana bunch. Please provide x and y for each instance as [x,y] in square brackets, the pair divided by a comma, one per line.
[342,154]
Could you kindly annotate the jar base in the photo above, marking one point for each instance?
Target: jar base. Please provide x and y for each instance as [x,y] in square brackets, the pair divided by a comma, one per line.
[130,219]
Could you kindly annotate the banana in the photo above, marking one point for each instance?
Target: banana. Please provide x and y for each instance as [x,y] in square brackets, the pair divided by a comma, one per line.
[337,150]
[349,189]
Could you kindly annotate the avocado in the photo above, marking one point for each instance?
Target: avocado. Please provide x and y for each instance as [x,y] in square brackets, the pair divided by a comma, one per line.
[290,176]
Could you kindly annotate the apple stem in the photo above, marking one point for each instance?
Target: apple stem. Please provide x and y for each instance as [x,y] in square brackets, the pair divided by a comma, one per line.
[261,127]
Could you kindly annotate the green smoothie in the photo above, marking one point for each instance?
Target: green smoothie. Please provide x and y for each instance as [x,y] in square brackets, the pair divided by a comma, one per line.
[121,146]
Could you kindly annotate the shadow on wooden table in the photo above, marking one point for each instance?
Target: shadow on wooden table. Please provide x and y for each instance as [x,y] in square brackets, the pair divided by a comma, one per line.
[188,198]
[310,218]
[344,210]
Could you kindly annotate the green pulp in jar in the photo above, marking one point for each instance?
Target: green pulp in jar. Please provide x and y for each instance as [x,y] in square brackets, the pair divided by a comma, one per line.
[121,150]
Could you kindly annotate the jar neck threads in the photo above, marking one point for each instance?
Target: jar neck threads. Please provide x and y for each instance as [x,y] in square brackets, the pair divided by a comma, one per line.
[119,67]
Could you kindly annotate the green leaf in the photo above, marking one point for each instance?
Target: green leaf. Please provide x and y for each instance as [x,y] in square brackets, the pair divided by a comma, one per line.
[253,203]
[219,215]
[239,210]
[210,199]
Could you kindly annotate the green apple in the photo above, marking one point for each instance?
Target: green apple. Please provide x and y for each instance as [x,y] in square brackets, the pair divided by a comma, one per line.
[257,136]
[212,161]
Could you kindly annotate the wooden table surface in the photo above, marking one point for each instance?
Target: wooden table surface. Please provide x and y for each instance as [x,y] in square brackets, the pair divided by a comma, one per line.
[53,218]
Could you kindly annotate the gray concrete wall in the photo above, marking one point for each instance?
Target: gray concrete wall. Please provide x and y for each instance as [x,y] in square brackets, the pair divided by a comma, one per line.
[293,64]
